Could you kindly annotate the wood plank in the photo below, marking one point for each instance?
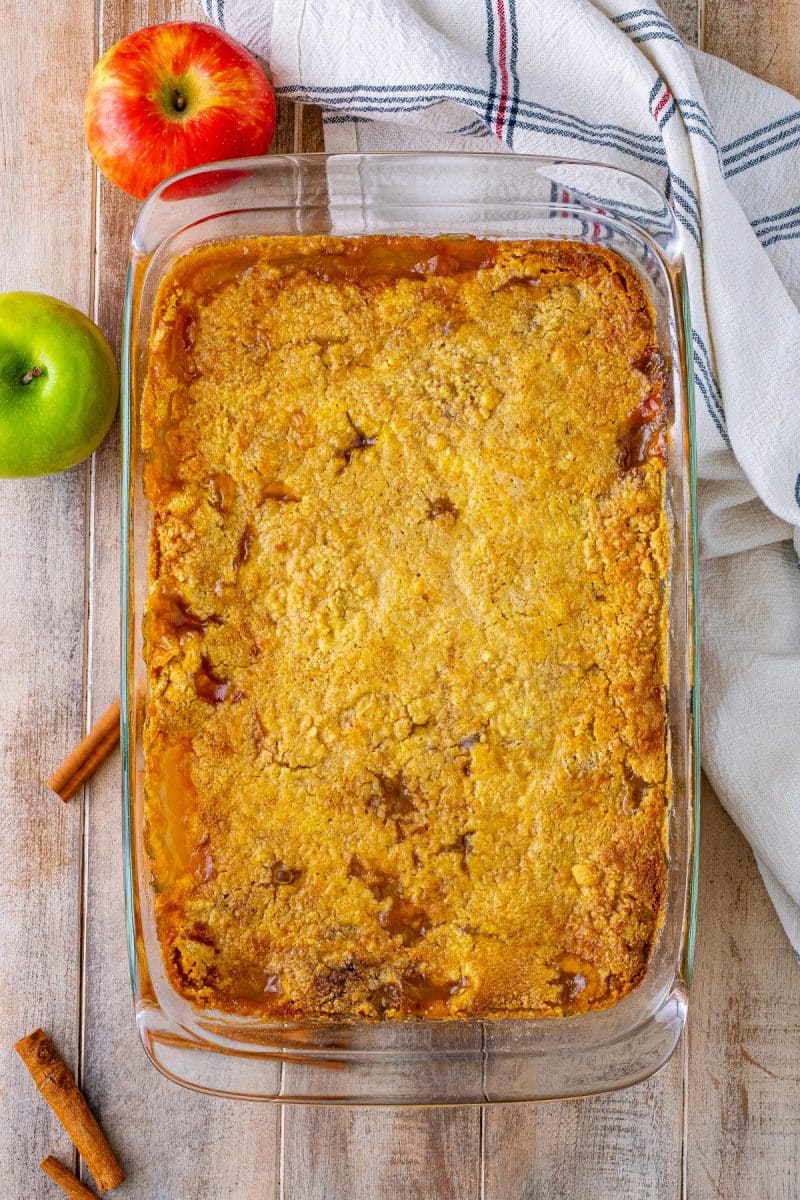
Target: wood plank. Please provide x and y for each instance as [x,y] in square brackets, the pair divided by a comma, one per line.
[762,38]
[743,1086]
[381,1154]
[173,1143]
[624,1146]
[45,215]
[312,139]
[284,139]
[685,15]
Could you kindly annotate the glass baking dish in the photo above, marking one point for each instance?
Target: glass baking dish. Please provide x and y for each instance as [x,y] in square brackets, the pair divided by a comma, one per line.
[417,1062]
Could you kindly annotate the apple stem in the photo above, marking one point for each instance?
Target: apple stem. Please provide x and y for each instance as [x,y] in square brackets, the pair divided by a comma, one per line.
[179,101]
[29,376]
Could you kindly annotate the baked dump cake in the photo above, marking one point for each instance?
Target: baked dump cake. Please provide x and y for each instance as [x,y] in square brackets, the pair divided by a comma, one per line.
[405,636]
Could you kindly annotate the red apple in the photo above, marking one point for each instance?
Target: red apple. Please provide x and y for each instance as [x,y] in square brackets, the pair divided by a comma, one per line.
[171,97]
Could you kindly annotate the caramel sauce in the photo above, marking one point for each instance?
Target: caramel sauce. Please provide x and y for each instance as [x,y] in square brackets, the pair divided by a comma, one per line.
[463,846]
[200,932]
[441,507]
[393,800]
[169,614]
[179,970]
[405,919]
[385,997]
[245,545]
[517,281]
[171,825]
[401,917]
[209,686]
[360,441]
[201,862]
[279,491]
[378,882]
[375,261]
[642,441]
[213,274]
[331,982]
[304,430]
[414,993]
[250,985]
[651,364]
[223,491]
[161,475]
[467,743]
[281,874]
[578,984]
[572,984]
[645,436]
[421,993]
[178,346]
[635,791]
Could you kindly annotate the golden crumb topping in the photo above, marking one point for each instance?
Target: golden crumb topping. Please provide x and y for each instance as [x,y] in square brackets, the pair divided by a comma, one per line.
[405,737]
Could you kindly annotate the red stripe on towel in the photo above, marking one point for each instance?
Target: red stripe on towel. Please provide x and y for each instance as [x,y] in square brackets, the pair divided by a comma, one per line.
[664,100]
[502,42]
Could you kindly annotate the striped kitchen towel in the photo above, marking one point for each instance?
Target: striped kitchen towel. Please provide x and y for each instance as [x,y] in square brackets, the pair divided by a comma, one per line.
[614,82]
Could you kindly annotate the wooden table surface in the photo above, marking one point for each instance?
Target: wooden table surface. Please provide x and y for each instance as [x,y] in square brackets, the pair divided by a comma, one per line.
[721,1120]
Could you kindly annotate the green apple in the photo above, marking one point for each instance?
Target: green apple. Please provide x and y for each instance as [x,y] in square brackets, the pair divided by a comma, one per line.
[58,385]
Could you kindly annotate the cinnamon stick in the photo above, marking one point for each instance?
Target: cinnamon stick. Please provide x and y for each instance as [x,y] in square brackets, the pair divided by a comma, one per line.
[87,757]
[66,1180]
[57,1084]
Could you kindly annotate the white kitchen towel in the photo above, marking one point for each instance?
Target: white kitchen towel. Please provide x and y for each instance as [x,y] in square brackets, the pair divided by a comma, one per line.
[614,82]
